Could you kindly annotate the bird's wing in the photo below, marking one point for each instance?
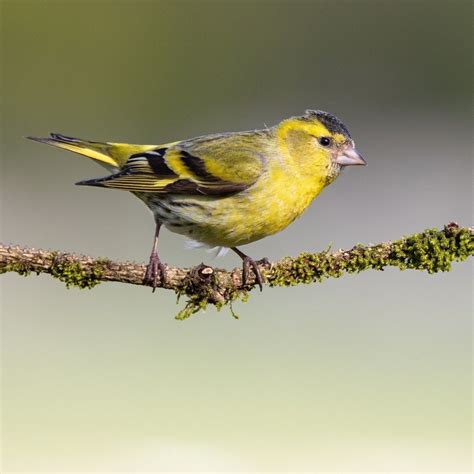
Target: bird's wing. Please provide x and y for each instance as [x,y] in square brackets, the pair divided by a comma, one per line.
[213,165]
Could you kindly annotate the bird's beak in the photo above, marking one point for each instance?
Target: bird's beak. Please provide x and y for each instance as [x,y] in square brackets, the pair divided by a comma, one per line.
[350,156]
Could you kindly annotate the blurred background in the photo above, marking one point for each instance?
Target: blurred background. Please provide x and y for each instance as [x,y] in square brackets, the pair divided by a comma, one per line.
[368,373]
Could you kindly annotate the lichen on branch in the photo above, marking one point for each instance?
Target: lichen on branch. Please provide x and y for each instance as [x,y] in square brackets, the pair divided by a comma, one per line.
[432,250]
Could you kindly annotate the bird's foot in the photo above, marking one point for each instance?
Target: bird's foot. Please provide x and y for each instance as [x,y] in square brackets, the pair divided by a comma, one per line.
[249,263]
[154,269]
[264,262]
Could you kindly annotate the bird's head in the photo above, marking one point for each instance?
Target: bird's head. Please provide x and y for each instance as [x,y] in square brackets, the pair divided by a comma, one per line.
[318,143]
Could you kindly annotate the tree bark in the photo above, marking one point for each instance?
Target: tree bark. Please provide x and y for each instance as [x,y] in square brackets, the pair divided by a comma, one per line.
[432,251]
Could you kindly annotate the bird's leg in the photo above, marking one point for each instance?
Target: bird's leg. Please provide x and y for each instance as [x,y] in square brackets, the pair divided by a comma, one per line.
[155,267]
[247,263]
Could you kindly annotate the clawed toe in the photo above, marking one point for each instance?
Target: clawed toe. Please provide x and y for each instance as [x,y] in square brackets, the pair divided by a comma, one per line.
[264,262]
[250,263]
[154,270]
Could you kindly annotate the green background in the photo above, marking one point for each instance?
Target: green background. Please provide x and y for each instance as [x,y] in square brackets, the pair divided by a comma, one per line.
[369,373]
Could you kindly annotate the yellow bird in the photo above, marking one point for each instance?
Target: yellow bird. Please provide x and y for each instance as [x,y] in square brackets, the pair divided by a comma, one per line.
[227,189]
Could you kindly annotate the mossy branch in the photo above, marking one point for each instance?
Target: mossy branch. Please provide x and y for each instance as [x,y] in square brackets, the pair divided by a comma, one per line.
[432,250]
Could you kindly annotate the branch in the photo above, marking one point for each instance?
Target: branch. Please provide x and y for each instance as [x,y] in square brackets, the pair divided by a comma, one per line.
[432,250]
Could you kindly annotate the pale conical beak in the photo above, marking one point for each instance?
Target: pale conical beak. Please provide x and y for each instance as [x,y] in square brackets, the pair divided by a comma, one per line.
[349,157]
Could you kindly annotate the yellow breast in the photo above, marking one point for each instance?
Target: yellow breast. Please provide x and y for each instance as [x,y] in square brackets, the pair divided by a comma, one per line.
[266,208]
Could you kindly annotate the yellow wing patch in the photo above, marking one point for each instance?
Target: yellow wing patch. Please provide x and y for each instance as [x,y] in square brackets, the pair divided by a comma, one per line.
[143,172]
[167,171]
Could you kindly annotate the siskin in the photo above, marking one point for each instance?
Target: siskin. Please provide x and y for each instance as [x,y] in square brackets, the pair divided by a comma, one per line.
[226,189]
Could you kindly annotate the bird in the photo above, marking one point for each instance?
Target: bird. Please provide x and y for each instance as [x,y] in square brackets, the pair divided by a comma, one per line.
[225,189]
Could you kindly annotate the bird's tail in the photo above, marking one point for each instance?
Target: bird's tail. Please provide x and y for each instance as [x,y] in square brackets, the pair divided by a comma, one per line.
[111,155]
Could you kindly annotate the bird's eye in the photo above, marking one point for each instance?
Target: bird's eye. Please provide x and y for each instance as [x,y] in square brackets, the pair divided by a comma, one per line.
[325,141]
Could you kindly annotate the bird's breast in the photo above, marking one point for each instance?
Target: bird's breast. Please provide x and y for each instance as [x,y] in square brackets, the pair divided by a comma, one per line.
[265,208]
[280,199]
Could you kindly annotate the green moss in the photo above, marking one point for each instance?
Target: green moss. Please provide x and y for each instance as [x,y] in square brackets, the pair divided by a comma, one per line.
[193,306]
[201,295]
[70,272]
[22,268]
[432,251]
[74,274]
